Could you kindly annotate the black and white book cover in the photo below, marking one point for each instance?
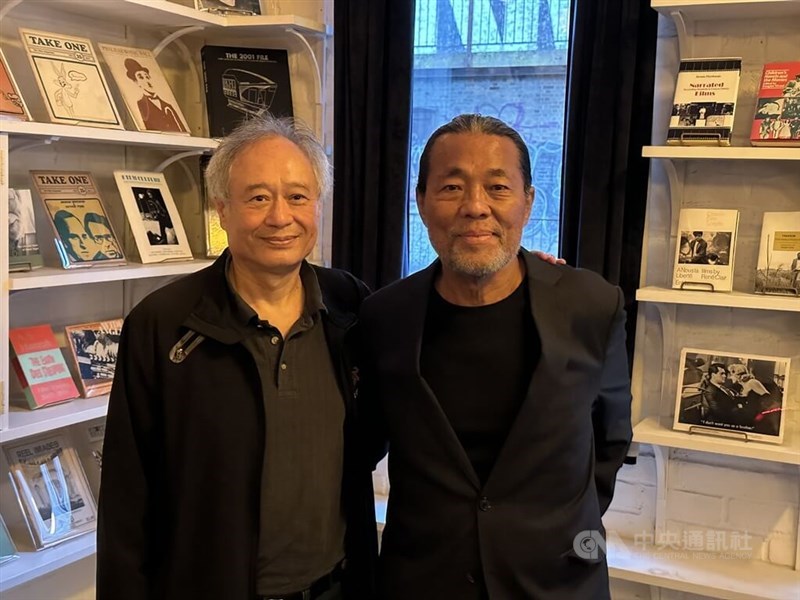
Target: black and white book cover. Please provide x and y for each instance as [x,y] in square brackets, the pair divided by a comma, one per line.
[705,249]
[705,101]
[229,7]
[736,395]
[153,217]
[51,488]
[88,438]
[778,270]
[23,247]
[241,83]
[94,347]
[69,76]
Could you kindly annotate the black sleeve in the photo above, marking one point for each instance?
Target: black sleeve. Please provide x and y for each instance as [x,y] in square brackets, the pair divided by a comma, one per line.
[611,413]
[373,425]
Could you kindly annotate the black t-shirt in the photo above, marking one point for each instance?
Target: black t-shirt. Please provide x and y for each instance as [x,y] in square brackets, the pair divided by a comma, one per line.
[478,360]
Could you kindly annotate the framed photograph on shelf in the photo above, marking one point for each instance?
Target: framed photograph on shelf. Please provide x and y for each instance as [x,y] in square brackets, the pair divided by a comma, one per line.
[153,216]
[94,348]
[733,395]
[51,488]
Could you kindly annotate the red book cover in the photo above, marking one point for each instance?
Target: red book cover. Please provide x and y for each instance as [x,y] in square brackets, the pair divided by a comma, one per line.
[40,366]
[777,118]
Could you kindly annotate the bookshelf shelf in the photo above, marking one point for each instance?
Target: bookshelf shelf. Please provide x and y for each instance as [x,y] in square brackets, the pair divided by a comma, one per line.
[31,565]
[721,299]
[733,9]
[23,423]
[721,153]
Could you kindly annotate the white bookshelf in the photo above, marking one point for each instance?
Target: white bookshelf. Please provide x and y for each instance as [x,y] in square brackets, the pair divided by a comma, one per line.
[720,299]
[23,423]
[721,152]
[47,277]
[728,9]
[31,565]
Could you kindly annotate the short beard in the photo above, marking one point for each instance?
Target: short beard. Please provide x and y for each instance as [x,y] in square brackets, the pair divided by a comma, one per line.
[471,267]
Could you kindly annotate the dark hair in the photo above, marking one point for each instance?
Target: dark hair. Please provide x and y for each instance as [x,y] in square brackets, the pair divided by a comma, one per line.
[473,123]
[95,218]
[697,233]
[715,367]
[60,221]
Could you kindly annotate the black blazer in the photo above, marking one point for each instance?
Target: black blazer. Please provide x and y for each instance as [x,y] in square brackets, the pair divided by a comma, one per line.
[555,475]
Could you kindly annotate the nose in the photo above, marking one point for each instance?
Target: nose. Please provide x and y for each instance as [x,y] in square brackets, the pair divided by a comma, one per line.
[474,204]
[278,214]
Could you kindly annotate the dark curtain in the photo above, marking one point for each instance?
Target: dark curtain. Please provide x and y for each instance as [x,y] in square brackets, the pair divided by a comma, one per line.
[373,59]
[610,76]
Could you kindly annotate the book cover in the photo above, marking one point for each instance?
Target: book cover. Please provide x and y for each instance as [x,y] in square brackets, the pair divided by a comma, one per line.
[52,488]
[778,270]
[216,236]
[12,106]
[73,86]
[23,248]
[8,551]
[705,251]
[705,102]
[153,216]
[83,233]
[244,82]
[147,95]
[777,117]
[88,439]
[229,7]
[40,366]
[742,396]
[94,347]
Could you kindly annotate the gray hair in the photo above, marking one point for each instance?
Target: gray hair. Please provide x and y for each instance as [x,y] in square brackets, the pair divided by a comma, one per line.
[259,128]
[473,123]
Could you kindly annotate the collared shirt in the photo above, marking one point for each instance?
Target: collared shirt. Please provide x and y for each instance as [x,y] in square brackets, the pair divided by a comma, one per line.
[301,533]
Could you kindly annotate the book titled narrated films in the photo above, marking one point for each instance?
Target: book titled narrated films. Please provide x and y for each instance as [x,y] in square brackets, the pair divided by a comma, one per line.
[12,106]
[88,438]
[736,395]
[23,248]
[777,116]
[51,488]
[705,102]
[705,251]
[40,366]
[94,347]
[149,99]
[83,234]
[778,270]
[8,551]
[153,216]
[244,82]
[69,76]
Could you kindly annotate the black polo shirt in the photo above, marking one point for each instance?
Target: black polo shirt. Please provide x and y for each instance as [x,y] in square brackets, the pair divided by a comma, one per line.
[302,526]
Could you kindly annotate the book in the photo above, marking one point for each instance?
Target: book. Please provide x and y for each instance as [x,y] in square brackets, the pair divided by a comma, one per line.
[8,551]
[735,395]
[147,95]
[94,348]
[51,488]
[69,76]
[777,117]
[40,366]
[244,82]
[705,251]
[12,106]
[778,270]
[216,236]
[229,7]
[23,248]
[83,234]
[153,216]
[705,101]
[88,439]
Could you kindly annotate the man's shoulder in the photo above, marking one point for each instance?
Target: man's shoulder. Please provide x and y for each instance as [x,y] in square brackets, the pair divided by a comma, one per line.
[397,295]
[340,289]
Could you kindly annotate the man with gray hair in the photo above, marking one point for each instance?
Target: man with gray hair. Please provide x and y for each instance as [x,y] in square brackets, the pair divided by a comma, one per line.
[501,384]
[231,464]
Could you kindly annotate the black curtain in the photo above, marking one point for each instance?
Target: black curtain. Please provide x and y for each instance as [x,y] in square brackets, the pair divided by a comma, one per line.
[610,77]
[373,60]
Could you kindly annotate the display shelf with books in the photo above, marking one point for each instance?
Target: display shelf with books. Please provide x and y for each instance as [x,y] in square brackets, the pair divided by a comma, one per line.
[652,293]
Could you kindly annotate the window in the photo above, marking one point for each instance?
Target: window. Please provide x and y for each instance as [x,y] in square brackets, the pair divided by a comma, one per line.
[503,58]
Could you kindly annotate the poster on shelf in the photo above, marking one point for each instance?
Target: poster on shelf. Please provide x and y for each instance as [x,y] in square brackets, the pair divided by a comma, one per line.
[94,348]
[742,396]
[147,95]
[51,488]
[153,217]
[705,249]
[83,234]
[777,117]
[12,106]
[778,270]
[23,247]
[70,79]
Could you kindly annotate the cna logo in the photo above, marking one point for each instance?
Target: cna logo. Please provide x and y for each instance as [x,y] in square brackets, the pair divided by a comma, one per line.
[589,544]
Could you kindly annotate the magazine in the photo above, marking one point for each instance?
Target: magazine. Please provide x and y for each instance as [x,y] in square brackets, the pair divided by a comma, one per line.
[94,348]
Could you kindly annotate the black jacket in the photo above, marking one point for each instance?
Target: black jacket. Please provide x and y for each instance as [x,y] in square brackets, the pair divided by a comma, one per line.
[554,477]
[179,501]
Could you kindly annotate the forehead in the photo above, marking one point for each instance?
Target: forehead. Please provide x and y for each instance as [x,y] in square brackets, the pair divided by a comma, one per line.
[274,154]
[478,150]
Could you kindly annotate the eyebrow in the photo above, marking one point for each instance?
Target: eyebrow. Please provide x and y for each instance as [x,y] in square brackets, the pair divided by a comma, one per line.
[459,172]
[290,184]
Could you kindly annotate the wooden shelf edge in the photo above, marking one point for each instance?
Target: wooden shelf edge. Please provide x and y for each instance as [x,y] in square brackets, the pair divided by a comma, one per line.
[31,565]
[720,299]
[721,153]
[24,423]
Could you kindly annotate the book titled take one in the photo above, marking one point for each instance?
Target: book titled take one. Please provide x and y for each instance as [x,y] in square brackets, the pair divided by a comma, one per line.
[40,366]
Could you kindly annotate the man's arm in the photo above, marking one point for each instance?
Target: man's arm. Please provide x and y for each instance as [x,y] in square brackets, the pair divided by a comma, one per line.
[125,518]
[611,413]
